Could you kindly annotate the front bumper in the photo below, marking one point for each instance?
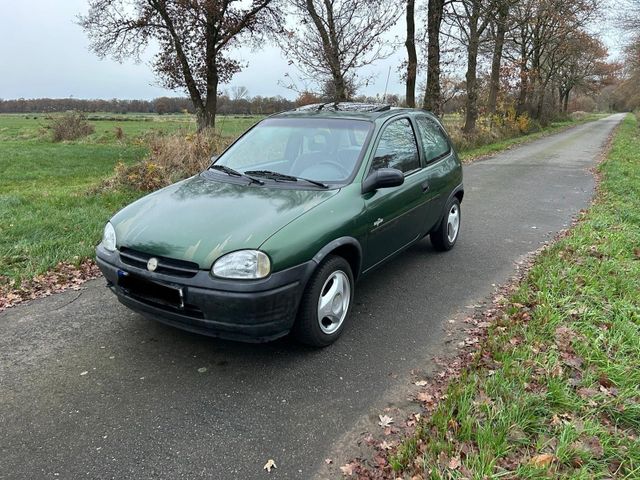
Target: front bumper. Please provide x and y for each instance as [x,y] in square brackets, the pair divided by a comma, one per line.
[253,311]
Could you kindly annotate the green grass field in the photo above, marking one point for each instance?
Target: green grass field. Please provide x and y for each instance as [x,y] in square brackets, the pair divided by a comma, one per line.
[47,214]
[555,389]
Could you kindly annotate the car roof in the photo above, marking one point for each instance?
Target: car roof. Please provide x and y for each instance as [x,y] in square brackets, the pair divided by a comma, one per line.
[346,110]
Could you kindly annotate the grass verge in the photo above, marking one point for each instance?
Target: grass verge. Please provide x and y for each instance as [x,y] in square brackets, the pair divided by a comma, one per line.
[554,391]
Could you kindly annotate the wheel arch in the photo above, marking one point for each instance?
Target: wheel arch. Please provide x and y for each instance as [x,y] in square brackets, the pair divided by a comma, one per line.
[458,193]
[347,247]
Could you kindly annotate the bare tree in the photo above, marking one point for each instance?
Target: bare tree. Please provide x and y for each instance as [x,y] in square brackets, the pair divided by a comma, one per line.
[239,93]
[335,38]
[412,56]
[432,94]
[194,37]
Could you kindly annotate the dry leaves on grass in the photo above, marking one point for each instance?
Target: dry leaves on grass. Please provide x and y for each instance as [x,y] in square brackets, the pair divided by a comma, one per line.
[542,460]
[64,276]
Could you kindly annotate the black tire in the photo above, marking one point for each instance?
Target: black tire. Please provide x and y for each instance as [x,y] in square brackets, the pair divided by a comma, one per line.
[307,328]
[440,236]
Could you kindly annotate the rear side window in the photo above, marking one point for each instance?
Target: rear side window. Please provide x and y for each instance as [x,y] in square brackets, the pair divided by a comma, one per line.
[397,148]
[434,142]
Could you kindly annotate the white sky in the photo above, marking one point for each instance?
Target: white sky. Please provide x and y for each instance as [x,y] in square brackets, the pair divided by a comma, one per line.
[43,53]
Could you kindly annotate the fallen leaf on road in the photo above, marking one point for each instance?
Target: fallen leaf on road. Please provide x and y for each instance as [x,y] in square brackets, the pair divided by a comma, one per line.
[269,465]
[385,421]
[542,460]
[202,369]
[380,461]
[83,373]
[348,469]
[328,461]
[385,445]
[421,383]
[424,397]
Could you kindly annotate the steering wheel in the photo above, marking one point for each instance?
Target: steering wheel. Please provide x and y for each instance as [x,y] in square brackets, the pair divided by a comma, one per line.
[337,166]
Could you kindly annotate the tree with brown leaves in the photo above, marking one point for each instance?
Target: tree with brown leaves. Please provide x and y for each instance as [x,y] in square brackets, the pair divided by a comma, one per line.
[194,36]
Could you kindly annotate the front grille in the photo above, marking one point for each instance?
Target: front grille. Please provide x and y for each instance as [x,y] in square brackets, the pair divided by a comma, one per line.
[166,266]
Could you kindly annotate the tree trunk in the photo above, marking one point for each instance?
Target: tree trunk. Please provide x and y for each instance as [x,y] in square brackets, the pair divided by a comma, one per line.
[494,82]
[412,57]
[565,101]
[432,96]
[206,115]
[340,88]
[540,104]
[471,113]
[524,83]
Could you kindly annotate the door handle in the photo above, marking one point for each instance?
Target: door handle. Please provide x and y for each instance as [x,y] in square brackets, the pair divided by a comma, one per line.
[425,186]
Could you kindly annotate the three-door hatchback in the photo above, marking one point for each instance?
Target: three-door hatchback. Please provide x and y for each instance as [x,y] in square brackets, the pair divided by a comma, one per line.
[272,237]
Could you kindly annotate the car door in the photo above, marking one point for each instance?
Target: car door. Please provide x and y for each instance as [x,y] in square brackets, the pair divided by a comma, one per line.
[393,214]
[436,153]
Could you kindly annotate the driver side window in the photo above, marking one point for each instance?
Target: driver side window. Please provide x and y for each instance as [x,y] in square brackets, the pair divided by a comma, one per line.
[397,148]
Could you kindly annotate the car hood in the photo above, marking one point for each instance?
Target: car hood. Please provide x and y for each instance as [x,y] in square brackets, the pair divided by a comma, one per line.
[200,219]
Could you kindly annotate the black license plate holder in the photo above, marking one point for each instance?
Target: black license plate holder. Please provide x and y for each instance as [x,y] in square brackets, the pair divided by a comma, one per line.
[160,293]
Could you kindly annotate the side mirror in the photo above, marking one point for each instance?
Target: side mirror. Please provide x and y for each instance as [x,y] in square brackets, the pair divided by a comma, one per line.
[383,178]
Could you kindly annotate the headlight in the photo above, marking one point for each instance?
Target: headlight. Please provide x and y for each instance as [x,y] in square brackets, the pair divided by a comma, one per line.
[246,264]
[109,238]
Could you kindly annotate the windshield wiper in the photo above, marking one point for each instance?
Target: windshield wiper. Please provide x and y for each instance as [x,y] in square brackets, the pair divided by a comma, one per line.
[287,178]
[234,173]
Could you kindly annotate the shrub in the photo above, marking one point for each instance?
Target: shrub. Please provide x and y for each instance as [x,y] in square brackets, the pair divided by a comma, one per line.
[119,133]
[171,158]
[70,126]
[578,115]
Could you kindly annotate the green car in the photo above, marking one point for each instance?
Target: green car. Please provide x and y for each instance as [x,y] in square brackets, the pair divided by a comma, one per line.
[273,236]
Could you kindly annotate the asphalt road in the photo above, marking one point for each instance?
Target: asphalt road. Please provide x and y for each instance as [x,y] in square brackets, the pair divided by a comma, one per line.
[90,390]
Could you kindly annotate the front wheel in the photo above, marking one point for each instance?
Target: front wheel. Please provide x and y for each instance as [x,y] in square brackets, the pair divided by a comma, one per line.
[445,235]
[325,303]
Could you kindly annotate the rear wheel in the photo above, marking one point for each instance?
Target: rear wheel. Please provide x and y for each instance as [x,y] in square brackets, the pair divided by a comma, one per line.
[325,303]
[444,237]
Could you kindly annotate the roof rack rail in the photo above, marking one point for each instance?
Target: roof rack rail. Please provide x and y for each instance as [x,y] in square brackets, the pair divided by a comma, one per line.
[346,107]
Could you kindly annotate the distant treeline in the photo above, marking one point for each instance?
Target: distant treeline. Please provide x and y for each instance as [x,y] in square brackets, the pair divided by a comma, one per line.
[162,105]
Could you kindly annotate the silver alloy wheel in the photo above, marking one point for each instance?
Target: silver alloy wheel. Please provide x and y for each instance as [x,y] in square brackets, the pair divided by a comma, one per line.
[453,223]
[333,303]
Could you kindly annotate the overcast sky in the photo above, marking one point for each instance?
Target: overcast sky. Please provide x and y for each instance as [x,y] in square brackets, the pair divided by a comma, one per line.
[43,53]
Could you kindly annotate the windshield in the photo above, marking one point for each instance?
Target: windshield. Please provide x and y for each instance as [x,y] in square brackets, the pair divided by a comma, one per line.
[324,150]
